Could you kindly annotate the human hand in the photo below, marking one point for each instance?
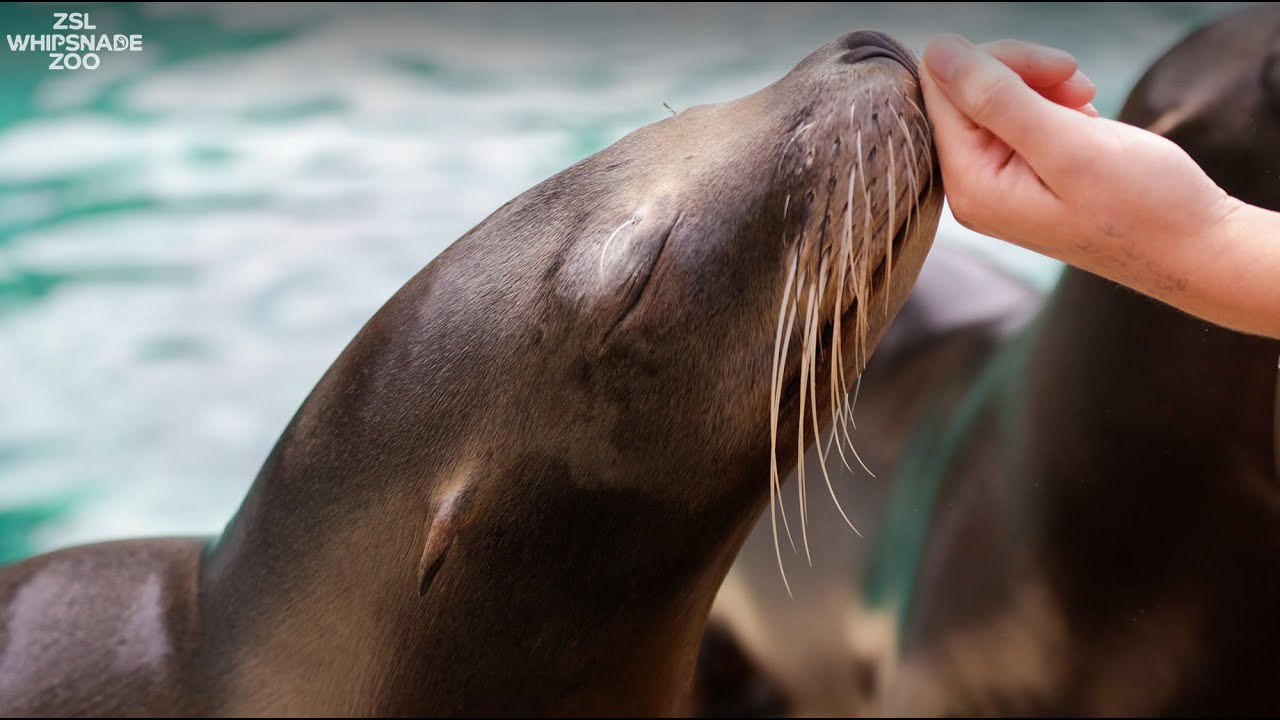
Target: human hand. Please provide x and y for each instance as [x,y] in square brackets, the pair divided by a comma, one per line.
[1025,159]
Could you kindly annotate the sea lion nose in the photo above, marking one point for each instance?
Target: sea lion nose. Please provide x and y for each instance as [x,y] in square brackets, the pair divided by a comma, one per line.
[867,44]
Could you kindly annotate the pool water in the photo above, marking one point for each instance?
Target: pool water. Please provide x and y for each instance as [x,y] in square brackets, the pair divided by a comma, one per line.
[190,234]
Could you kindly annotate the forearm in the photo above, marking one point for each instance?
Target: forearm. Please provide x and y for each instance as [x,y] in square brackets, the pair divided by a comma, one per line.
[1229,275]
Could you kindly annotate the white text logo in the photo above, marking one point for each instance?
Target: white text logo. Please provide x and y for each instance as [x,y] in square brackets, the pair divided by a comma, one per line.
[77,46]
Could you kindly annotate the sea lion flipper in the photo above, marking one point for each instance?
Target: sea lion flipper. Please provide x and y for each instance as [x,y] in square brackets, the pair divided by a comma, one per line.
[441,530]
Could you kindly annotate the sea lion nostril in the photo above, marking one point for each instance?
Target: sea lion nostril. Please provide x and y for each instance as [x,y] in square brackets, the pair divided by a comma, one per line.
[866,44]
[858,38]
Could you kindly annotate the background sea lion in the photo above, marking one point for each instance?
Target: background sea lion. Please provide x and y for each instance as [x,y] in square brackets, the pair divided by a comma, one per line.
[1106,536]
[519,487]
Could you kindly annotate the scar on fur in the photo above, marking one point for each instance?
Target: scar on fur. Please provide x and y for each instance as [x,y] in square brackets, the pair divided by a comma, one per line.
[442,530]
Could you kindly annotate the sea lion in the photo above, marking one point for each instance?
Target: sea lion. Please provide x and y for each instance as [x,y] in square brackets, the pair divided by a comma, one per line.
[822,651]
[1102,534]
[519,487]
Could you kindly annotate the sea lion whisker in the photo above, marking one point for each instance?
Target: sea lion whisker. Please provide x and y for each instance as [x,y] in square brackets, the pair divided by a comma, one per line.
[813,366]
[862,284]
[817,432]
[782,343]
[839,388]
[919,113]
[837,371]
[831,440]
[847,268]
[837,392]
[864,269]
[808,350]
[775,484]
[835,427]
[926,148]
[848,407]
[843,392]
[911,168]
[890,229]
[792,315]
[921,119]
[857,386]
[831,489]
[777,547]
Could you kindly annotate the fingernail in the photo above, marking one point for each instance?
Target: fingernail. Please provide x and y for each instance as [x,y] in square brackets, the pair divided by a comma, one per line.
[943,55]
[1090,110]
[1081,80]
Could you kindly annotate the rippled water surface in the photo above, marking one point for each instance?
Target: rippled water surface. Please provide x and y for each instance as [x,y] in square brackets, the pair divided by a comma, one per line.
[191,233]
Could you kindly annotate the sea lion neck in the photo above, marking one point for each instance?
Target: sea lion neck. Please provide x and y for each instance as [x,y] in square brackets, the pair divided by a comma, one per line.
[1120,384]
[1146,387]
[590,567]
[1160,358]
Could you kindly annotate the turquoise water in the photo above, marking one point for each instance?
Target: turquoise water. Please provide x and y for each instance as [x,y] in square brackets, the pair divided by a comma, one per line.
[190,234]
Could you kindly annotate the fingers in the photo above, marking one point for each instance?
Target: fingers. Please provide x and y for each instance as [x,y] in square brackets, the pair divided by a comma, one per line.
[983,194]
[1075,92]
[966,155]
[956,136]
[1038,65]
[994,97]
[1053,72]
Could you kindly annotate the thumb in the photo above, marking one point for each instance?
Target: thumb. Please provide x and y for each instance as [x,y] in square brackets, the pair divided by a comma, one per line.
[995,98]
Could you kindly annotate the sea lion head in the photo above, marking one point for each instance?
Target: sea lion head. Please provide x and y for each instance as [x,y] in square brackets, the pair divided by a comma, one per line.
[568,418]
[1217,95]
[658,309]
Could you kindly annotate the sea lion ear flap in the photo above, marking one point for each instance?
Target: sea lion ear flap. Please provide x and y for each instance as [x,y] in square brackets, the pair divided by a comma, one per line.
[441,531]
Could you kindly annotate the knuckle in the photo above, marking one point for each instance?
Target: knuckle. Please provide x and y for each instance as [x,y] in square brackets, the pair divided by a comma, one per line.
[989,98]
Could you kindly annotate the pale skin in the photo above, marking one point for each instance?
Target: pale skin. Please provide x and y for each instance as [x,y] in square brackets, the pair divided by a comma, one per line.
[1025,158]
